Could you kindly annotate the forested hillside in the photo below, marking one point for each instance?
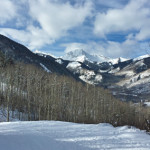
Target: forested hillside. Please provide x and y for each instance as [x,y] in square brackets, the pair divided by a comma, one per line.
[38,95]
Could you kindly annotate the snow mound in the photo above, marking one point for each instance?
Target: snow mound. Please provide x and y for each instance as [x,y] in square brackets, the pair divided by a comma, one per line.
[55,135]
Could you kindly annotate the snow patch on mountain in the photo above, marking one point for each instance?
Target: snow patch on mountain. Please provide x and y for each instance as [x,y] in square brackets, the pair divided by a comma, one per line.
[59,61]
[86,75]
[98,78]
[40,53]
[141,57]
[114,70]
[81,58]
[126,73]
[45,68]
[137,79]
[117,60]
[90,77]
[73,65]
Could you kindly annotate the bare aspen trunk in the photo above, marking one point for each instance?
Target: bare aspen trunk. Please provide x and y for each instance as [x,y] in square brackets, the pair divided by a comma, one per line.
[8,109]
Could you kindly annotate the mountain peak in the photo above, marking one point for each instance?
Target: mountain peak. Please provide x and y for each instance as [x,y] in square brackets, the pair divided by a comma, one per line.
[81,55]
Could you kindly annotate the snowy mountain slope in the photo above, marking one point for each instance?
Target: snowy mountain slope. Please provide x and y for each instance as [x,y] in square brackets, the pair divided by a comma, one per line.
[82,56]
[40,53]
[55,135]
[136,80]
[141,57]
[125,77]
[84,72]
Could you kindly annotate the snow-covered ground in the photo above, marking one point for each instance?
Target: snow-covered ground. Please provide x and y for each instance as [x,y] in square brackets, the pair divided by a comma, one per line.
[55,135]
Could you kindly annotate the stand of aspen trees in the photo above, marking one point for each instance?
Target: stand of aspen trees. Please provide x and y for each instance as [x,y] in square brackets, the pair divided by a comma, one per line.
[38,95]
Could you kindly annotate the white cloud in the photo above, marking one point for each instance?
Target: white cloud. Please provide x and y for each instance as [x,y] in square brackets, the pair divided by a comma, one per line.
[144,33]
[73,46]
[57,18]
[90,47]
[8,11]
[19,35]
[44,21]
[33,37]
[134,16]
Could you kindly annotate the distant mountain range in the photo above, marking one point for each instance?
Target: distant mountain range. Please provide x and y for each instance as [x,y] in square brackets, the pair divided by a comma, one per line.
[128,79]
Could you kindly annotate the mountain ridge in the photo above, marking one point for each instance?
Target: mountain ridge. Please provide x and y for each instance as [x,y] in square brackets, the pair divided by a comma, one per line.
[128,80]
[19,53]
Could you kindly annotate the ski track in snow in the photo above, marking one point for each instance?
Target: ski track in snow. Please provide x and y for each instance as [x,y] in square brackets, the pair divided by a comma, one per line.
[56,135]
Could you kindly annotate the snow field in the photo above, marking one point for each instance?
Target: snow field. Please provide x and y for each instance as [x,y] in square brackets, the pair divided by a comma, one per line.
[55,135]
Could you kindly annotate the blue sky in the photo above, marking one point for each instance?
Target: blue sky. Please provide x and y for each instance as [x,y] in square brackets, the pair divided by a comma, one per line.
[113,28]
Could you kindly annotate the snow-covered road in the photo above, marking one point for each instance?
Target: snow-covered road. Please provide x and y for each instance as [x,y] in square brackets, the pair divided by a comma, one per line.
[55,135]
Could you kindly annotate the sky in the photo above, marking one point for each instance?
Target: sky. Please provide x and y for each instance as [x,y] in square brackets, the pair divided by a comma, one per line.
[113,28]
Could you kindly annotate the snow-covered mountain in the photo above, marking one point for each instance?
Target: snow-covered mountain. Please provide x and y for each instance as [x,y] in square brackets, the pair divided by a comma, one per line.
[128,79]
[81,56]
[41,53]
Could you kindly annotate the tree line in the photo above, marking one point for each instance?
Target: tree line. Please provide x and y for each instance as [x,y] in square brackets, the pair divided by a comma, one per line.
[38,95]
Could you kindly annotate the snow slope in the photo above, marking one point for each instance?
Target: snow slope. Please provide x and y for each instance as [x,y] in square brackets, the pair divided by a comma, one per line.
[40,53]
[141,57]
[55,135]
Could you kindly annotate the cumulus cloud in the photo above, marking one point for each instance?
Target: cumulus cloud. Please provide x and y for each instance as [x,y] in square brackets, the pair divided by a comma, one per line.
[90,47]
[8,11]
[41,23]
[57,18]
[44,21]
[32,37]
[134,16]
